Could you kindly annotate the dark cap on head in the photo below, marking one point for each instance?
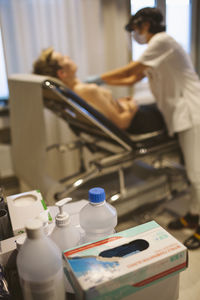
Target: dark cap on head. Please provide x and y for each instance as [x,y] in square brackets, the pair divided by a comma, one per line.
[148,14]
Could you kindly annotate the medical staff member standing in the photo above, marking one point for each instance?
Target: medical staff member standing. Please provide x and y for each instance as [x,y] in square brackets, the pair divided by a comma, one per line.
[176,88]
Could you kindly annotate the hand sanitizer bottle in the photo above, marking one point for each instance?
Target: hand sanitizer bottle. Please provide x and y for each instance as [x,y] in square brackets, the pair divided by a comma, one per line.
[65,235]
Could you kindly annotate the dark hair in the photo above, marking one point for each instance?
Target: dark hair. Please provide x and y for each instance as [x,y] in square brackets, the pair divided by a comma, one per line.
[45,65]
[148,14]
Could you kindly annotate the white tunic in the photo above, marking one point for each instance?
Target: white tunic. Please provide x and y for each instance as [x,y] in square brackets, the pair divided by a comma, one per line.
[173,81]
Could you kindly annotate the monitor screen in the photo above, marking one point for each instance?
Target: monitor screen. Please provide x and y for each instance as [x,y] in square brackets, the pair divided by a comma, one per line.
[4,93]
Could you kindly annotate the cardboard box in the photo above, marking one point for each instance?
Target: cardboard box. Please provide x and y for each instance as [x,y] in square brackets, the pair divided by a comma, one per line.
[144,260]
[24,206]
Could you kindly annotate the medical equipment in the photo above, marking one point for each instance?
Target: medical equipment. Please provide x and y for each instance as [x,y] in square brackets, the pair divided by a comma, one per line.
[121,154]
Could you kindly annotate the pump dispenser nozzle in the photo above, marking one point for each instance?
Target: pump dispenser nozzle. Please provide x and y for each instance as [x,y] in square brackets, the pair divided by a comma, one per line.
[44,217]
[65,234]
[62,218]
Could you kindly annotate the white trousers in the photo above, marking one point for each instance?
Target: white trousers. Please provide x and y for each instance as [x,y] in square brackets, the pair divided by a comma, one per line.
[190,144]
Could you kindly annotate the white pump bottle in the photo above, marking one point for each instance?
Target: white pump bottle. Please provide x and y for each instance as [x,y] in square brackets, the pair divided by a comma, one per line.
[65,235]
[39,264]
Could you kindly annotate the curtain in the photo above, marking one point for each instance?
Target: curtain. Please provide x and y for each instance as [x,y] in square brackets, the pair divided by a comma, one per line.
[31,25]
[91,32]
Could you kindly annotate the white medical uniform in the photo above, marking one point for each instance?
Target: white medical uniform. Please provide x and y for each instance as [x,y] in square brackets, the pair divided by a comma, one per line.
[176,88]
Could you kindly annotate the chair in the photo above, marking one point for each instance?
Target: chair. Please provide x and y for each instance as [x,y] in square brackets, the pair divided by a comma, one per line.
[119,151]
[92,128]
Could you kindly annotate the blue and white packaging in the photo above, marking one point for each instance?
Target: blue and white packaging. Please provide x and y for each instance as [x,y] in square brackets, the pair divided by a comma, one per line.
[145,261]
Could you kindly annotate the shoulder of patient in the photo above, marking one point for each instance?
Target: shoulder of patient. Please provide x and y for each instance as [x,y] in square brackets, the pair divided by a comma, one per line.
[86,89]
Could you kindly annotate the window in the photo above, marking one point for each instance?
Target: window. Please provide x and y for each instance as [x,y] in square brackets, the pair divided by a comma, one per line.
[3,76]
[135,6]
[178,21]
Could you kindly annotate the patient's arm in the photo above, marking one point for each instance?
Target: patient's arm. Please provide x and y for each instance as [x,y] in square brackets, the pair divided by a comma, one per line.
[127,75]
[104,102]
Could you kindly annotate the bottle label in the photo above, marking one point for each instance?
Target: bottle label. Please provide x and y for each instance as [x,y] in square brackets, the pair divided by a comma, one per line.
[50,289]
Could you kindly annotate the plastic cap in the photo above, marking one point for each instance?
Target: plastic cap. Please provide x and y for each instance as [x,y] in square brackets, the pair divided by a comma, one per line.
[97,195]
[34,229]
[20,241]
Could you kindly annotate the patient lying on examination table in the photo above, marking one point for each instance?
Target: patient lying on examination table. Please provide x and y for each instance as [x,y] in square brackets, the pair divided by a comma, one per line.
[123,112]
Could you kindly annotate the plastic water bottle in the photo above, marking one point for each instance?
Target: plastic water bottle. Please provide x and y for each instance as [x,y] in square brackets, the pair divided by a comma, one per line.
[65,235]
[98,218]
[39,264]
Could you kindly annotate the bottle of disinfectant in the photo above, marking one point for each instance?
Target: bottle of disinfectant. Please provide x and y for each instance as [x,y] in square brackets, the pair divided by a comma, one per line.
[40,267]
[65,235]
[98,218]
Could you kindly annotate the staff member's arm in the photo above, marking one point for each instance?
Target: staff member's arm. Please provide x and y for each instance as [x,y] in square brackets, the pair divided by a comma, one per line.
[126,75]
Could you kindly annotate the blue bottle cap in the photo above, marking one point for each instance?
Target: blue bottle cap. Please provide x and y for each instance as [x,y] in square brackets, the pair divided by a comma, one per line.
[97,195]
